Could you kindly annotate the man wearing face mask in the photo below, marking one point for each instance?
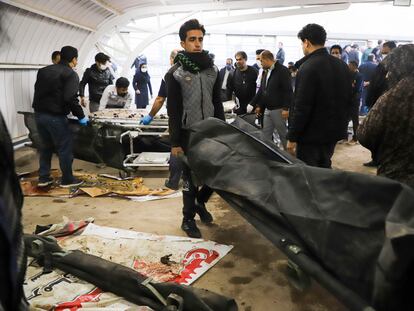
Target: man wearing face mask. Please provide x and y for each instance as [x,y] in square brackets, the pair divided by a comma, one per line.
[98,77]
[242,83]
[116,96]
[224,74]
[193,89]
[141,84]
[54,97]
[319,115]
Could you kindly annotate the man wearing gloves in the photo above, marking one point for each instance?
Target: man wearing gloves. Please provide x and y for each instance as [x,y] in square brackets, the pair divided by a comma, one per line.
[193,89]
[55,97]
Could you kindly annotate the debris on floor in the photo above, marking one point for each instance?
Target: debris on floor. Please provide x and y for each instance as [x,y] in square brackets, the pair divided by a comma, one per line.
[96,185]
[162,258]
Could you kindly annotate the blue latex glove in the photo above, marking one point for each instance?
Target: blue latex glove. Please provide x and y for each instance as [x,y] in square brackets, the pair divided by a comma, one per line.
[146,120]
[84,121]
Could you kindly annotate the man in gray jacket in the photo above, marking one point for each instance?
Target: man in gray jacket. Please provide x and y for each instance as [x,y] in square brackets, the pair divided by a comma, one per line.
[193,91]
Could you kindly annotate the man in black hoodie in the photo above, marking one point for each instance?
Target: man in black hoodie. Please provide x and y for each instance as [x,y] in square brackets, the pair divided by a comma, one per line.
[319,115]
[55,96]
[193,91]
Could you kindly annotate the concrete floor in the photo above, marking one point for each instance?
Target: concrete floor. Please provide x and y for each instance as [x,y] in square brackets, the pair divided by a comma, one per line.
[252,272]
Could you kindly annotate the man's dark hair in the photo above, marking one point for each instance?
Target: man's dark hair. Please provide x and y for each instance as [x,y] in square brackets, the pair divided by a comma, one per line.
[259,51]
[242,54]
[390,44]
[371,57]
[354,63]
[314,33]
[55,54]
[337,47]
[291,64]
[192,24]
[266,54]
[380,42]
[102,58]
[67,53]
[122,82]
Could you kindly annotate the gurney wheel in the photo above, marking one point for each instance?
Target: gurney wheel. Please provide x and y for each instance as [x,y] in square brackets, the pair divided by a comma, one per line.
[297,278]
[126,173]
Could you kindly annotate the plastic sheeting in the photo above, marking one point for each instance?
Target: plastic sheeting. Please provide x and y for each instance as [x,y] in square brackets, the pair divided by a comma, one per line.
[353,232]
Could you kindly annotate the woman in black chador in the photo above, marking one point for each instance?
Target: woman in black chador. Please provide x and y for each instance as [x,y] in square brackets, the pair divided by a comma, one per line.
[141,84]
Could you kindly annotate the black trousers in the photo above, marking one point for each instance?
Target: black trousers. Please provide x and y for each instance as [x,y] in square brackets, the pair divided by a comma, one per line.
[316,154]
[191,193]
[354,115]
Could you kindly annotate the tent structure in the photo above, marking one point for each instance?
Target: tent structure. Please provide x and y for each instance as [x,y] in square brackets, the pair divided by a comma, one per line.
[34,29]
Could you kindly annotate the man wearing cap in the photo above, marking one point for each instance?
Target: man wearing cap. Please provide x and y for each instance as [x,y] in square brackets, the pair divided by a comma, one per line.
[55,97]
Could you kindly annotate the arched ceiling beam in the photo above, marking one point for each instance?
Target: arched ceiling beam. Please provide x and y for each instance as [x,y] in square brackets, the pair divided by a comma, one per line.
[227,20]
[48,15]
[106,6]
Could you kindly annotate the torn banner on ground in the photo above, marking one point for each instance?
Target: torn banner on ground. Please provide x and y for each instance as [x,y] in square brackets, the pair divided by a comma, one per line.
[179,260]
[357,229]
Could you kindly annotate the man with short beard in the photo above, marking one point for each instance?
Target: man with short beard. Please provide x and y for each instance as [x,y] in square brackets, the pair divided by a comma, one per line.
[242,83]
[193,91]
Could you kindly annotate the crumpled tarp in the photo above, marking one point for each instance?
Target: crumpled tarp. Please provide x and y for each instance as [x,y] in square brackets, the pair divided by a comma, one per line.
[357,228]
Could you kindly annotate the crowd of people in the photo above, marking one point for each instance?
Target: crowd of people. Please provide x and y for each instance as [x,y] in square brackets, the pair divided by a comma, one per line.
[305,106]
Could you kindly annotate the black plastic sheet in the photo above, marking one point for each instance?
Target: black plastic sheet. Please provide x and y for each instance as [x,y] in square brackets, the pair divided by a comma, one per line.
[357,228]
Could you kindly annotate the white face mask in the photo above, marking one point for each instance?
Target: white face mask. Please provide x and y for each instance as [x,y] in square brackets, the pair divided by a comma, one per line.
[384,55]
[143,69]
[103,67]
[259,63]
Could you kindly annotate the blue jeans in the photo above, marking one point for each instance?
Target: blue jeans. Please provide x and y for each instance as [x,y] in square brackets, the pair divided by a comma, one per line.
[55,135]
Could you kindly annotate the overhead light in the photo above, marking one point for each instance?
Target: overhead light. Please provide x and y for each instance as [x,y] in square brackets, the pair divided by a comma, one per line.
[402,2]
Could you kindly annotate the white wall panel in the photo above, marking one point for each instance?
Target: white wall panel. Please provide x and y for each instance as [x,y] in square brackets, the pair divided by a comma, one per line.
[28,38]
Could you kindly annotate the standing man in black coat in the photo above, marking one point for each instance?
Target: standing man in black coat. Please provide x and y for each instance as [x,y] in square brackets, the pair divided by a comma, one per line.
[320,111]
[98,77]
[224,74]
[274,97]
[55,95]
[242,83]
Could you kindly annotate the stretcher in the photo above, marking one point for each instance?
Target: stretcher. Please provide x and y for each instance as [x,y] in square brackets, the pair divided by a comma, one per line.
[116,138]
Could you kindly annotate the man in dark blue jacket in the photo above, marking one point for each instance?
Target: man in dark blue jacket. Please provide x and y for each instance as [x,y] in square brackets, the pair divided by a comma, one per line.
[224,74]
[367,71]
[356,97]
[319,115]
[55,97]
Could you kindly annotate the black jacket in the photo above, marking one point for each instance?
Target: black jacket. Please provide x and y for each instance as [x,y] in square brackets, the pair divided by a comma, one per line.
[222,73]
[322,100]
[56,90]
[278,92]
[97,80]
[243,84]
[377,86]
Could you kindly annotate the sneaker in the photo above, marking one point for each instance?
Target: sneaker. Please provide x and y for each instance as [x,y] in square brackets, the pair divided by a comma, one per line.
[75,182]
[370,164]
[45,183]
[189,226]
[169,185]
[205,215]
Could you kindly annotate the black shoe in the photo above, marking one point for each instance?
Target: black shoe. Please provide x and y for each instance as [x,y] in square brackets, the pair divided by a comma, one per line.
[370,164]
[75,182]
[168,184]
[45,183]
[189,226]
[205,215]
